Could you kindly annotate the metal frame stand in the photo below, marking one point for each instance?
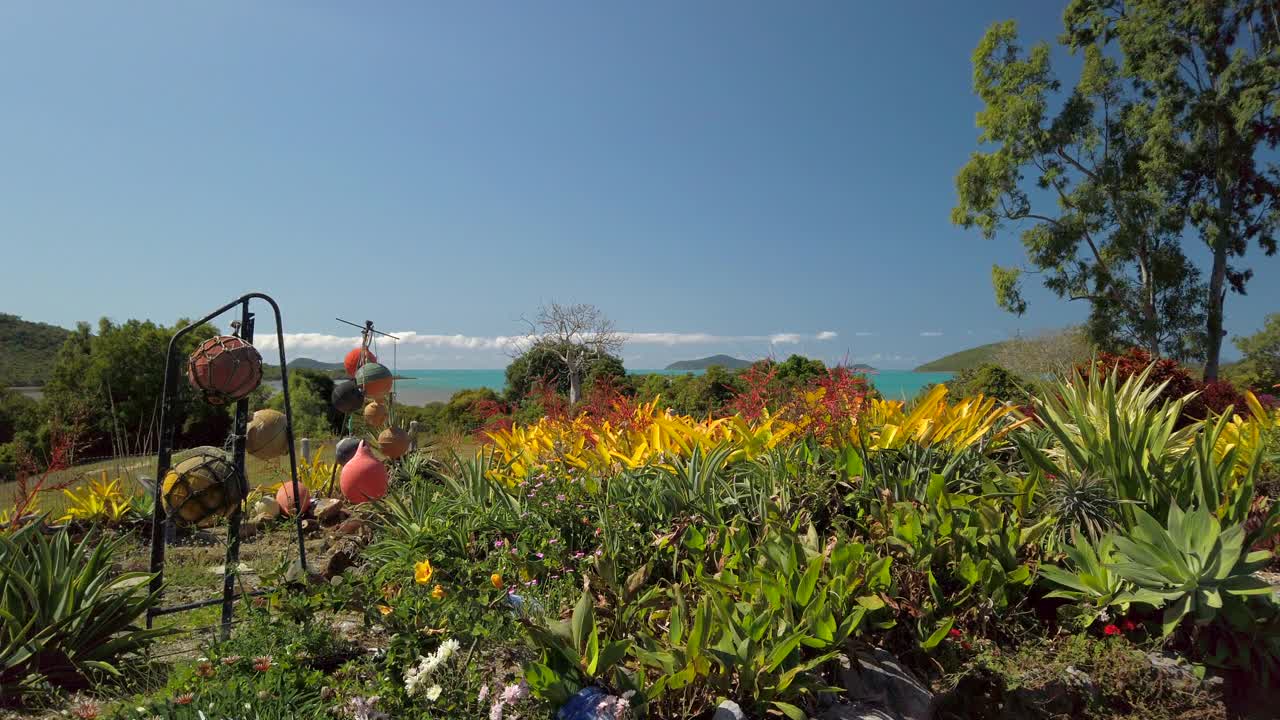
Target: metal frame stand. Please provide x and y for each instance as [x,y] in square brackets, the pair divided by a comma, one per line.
[167,428]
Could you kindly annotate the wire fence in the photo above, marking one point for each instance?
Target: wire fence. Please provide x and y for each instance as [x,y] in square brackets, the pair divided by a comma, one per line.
[136,472]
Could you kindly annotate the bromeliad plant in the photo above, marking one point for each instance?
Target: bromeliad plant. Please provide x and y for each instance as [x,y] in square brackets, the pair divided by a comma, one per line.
[101,501]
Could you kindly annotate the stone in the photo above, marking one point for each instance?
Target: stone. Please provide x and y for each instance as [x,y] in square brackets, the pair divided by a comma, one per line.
[329,512]
[261,520]
[1177,674]
[310,527]
[855,711]
[344,556]
[875,676]
[354,526]
[249,530]
[728,710]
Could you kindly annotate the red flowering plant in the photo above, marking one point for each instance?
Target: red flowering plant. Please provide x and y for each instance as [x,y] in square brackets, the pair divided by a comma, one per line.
[1211,398]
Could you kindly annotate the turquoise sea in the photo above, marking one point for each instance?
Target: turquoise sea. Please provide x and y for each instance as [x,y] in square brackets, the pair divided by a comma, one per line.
[420,386]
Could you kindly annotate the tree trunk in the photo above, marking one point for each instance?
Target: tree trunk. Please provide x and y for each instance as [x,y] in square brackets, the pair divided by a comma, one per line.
[1217,288]
[575,387]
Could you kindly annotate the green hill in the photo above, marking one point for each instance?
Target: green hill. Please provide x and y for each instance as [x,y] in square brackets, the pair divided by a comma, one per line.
[27,350]
[725,361]
[963,360]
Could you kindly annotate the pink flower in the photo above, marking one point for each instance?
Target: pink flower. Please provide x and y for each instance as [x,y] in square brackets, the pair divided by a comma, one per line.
[1111,630]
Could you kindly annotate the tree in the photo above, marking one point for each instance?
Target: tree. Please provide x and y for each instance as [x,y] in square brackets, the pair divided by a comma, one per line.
[1260,367]
[110,384]
[1094,207]
[576,334]
[309,400]
[1207,72]
[542,363]
[1052,353]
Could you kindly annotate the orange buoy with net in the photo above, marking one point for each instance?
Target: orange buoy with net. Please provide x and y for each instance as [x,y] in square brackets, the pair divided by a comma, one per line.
[224,369]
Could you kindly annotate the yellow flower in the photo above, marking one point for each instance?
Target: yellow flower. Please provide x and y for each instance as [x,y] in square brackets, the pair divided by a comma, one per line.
[496,580]
[384,610]
[422,572]
[437,592]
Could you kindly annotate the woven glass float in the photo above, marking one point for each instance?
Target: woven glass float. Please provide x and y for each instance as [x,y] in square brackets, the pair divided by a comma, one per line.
[224,369]
[202,489]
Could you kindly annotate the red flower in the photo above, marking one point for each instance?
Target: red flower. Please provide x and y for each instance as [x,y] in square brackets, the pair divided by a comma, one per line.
[955,632]
[1128,625]
[965,644]
[1111,630]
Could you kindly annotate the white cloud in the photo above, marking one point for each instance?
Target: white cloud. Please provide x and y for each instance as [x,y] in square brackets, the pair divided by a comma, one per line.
[930,333]
[321,346]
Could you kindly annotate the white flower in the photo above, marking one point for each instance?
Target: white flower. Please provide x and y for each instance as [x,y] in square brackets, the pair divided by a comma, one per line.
[433,692]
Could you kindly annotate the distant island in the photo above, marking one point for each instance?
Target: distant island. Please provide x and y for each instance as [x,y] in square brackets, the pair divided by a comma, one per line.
[336,370]
[962,360]
[862,368]
[724,361]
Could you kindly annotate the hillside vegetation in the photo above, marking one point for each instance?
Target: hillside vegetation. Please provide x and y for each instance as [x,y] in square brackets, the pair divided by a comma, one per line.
[963,360]
[27,350]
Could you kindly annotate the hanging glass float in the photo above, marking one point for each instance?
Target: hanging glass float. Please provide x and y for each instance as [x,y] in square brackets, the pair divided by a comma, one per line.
[357,357]
[375,414]
[347,397]
[224,369]
[375,379]
[364,477]
[284,497]
[393,442]
[266,437]
[201,489]
[345,450]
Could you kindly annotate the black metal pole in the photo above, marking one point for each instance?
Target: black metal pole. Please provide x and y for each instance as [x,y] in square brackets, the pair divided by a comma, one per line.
[164,453]
[232,565]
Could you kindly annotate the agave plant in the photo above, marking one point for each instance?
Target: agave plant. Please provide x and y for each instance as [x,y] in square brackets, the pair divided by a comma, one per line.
[1190,566]
[65,611]
[1118,432]
[1089,582]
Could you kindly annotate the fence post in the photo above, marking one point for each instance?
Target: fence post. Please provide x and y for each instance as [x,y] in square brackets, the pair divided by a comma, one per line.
[305,446]
[413,435]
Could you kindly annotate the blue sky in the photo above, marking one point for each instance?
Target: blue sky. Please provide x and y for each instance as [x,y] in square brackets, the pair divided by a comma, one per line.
[710,174]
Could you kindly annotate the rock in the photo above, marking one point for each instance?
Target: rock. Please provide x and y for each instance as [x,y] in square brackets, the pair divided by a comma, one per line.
[875,676]
[728,710]
[310,527]
[354,526]
[855,711]
[1177,674]
[329,511]
[344,556]
[261,520]
[249,530]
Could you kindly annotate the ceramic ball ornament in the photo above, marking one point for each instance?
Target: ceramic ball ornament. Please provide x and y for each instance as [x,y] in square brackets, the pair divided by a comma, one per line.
[357,357]
[347,397]
[345,450]
[266,437]
[393,442]
[364,477]
[375,379]
[284,498]
[375,414]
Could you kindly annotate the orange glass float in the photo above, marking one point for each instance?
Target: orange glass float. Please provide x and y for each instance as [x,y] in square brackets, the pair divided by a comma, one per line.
[284,497]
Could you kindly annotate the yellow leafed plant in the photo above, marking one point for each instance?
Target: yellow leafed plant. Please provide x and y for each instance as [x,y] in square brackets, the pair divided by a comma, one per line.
[886,424]
[101,501]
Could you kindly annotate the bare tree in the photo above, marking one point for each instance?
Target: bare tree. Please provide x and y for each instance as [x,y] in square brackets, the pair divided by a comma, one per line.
[576,334]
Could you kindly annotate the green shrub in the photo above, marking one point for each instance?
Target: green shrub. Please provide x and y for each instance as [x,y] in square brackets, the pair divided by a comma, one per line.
[66,612]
